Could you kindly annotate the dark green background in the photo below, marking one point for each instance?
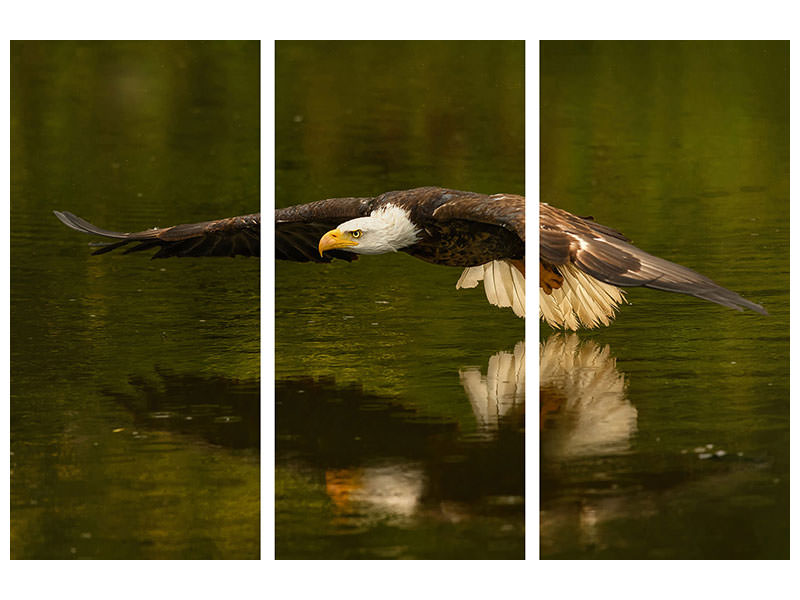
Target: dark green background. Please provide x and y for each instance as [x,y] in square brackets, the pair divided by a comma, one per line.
[379,452]
[684,147]
[134,383]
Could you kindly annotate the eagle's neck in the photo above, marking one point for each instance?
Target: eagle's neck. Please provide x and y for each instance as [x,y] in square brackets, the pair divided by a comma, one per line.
[399,229]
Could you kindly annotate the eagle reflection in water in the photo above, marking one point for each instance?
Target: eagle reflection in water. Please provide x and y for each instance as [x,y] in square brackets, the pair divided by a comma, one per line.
[583,408]
[394,490]
[500,394]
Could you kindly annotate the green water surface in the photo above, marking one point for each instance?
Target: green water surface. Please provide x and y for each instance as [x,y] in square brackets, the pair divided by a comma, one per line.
[389,442]
[667,434]
[134,383]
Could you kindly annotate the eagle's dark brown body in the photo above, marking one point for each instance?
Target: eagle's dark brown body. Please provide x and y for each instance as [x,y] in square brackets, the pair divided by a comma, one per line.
[457,228]
[235,236]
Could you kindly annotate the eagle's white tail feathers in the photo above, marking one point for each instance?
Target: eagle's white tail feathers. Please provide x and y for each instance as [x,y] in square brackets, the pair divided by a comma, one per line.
[470,277]
[582,300]
[503,283]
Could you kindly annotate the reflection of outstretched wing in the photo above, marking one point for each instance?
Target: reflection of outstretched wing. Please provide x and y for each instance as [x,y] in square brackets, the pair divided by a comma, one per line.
[221,410]
[502,390]
[583,406]
[223,237]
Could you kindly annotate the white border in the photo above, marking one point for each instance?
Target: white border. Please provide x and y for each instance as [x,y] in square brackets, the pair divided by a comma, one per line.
[268,301]
[371,20]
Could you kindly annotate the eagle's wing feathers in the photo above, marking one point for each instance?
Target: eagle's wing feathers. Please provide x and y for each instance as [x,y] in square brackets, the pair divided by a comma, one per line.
[224,237]
[606,255]
[618,263]
[505,210]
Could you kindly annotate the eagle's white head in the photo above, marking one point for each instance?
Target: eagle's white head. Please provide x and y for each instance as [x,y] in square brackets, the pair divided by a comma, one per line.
[387,229]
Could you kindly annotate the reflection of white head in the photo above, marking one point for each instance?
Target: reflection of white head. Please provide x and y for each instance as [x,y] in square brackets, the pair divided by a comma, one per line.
[380,493]
[387,229]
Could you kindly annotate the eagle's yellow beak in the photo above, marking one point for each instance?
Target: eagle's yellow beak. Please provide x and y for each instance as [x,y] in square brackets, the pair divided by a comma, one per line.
[335,239]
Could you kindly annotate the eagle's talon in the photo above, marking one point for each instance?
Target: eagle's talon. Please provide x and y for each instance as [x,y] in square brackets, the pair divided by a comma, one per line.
[549,280]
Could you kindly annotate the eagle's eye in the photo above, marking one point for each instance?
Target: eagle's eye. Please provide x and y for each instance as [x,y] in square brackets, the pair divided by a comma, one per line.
[356,234]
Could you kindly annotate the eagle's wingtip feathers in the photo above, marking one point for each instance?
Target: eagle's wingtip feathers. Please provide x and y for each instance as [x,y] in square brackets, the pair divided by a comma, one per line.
[604,256]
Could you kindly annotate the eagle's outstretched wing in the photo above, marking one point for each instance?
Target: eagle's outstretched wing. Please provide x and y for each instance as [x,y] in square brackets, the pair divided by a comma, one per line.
[223,237]
[577,247]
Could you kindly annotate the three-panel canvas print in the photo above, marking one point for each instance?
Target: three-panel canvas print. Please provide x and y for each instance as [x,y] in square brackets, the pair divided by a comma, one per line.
[393,366]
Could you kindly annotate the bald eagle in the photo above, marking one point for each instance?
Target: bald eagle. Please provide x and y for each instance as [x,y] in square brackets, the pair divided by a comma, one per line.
[224,237]
[583,265]
[484,235]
